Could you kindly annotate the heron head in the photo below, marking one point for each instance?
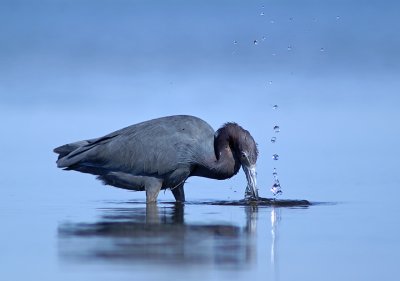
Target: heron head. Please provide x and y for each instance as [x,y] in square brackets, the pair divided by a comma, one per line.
[244,150]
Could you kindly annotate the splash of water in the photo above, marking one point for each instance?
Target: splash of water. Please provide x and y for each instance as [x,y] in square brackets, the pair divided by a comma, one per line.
[276,186]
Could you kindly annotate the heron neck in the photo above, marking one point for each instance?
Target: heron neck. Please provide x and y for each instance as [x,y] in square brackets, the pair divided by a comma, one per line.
[225,144]
[222,163]
[222,168]
[221,160]
[226,165]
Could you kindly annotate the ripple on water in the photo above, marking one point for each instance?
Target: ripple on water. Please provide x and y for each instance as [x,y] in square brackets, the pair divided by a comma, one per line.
[260,202]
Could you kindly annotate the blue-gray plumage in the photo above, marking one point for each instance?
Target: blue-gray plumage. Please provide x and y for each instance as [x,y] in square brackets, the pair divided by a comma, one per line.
[162,153]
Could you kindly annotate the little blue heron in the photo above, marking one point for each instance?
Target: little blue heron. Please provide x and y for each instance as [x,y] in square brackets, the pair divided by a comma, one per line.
[162,153]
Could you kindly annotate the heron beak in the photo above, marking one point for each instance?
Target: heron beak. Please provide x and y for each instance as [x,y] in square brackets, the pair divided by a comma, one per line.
[251,175]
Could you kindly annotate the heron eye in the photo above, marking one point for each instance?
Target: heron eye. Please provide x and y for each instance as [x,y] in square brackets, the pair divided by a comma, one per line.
[243,155]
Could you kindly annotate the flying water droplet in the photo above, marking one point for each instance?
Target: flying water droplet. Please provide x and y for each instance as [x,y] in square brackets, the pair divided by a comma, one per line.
[273,139]
[235,42]
[289,48]
[276,186]
[275,174]
[272,21]
[270,82]
[255,42]
[277,129]
[322,50]
[263,38]
[275,157]
[338,17]
[275,106]
[262,13]
[276,189]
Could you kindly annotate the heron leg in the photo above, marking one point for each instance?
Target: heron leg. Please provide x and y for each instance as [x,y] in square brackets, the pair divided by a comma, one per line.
[179,193]
[152,187]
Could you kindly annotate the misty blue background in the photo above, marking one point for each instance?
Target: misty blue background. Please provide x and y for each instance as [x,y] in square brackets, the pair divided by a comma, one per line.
[72,70]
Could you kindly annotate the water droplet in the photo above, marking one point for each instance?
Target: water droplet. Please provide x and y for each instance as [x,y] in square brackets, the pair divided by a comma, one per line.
[277,129]
[272,21]
[289,48]
[322,50]
[262,13]
[235,42]
[275,175]
[338,17]
[290,18]
[264,38]
[255,42]
[276,189]
[276,186]
[273,139]
[270,82]
[275,106]
[275,157]
[273,54]
[262,7]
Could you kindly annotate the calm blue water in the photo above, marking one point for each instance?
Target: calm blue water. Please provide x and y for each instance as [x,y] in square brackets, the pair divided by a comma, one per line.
[74,70]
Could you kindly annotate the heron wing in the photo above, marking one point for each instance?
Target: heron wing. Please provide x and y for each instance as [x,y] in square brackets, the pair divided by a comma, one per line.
[154,147]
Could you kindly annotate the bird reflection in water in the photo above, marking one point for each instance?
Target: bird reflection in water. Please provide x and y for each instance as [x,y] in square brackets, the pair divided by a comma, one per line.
[154,234]
[159,235]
